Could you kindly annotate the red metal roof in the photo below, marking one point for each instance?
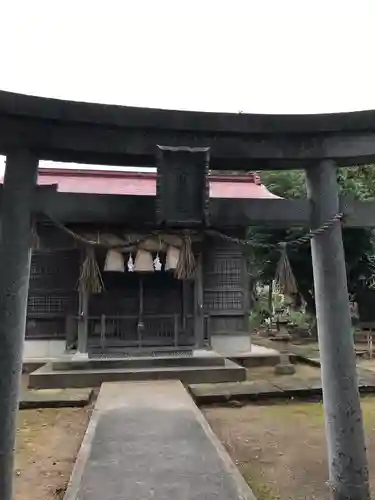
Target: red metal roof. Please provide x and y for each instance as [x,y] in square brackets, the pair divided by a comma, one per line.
[144,184]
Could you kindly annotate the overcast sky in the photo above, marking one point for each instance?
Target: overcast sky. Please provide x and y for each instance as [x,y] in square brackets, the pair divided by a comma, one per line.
[261,56]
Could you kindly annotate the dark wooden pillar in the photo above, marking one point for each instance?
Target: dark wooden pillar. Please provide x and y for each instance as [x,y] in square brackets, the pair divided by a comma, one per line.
[184,303]
[198,305]
[70,332]
[344,428]
[83,322]
[140,323]
[19,186]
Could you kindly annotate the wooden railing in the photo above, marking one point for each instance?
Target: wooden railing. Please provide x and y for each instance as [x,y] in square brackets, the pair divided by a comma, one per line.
[131,331]
[157,330]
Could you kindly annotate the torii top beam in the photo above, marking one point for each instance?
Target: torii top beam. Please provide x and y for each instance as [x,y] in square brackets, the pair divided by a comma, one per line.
[118,135]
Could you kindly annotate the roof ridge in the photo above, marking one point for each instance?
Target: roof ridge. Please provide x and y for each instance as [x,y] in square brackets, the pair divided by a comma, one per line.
[251,177]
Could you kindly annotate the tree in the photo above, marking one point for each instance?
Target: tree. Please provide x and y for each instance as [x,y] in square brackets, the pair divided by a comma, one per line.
[356,182]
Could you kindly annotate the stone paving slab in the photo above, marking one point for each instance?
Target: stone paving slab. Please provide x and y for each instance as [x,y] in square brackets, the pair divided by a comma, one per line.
[239,390]
[55,398]
[275,388]
[148,440]
[292,384]
[315,383]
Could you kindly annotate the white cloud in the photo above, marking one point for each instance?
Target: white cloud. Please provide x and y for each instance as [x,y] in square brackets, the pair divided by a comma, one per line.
[267,56]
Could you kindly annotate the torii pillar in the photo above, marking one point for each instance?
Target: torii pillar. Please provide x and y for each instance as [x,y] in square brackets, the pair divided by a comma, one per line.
[348,471]
[18,194]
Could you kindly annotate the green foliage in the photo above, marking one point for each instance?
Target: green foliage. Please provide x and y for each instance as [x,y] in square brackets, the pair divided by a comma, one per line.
[256,320]
[358,182]
[261,311]
[285,183]
[299,319]
[355,182]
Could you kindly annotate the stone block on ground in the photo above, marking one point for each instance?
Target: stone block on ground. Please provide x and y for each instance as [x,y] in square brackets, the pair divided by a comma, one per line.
[290,384]
[251,390]
[55,398]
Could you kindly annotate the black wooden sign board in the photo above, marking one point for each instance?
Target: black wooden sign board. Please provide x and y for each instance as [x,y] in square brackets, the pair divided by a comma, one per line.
[182,186]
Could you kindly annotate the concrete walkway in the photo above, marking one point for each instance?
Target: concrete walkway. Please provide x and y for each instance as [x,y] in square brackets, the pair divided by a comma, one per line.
[148,440]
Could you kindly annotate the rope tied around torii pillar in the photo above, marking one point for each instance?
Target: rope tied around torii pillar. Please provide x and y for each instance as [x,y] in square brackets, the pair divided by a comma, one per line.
[284,279]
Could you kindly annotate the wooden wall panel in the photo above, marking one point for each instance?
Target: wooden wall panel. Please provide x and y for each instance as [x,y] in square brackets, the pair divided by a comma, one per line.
[225,286]
[52,292]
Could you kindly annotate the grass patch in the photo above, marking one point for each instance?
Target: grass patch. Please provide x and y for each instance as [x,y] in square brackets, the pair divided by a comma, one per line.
[280,448]
[314,412]
[260,489]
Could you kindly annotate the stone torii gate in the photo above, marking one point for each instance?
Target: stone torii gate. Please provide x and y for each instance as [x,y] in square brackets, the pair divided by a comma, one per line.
[33,128]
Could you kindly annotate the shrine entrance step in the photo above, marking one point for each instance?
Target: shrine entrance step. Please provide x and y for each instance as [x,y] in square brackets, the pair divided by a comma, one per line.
[149,440]
[116,353]
[200,367]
